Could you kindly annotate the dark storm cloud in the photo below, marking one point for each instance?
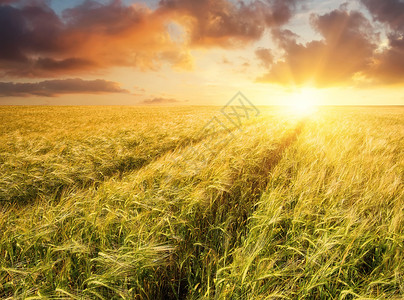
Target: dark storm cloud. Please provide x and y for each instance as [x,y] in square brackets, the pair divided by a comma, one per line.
[224,22]
[52,88]
[346,50]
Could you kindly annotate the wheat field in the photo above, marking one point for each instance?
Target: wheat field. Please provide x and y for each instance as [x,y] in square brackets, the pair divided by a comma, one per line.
[149,203]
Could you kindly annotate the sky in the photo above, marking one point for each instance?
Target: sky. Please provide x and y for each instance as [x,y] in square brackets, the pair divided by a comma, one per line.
[201,52]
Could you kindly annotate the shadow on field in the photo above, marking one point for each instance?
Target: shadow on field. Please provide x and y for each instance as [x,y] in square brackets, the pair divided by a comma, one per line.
[211,233]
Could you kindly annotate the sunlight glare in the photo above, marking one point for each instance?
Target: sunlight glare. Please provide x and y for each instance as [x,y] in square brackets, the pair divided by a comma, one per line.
[304,101]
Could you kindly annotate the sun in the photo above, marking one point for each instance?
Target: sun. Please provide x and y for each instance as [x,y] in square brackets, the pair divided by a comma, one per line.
[304,101]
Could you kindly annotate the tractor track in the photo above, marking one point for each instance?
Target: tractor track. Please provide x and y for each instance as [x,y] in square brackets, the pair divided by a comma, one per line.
[224,209]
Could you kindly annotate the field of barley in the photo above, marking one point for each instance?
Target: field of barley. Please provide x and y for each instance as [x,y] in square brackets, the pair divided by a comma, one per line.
[183,203]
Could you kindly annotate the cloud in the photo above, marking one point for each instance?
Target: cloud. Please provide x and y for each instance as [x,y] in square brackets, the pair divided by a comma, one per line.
[139,89]
[348,54]
[50,67]
[36,42]
[390,12]
[388,67]
[161,101]
[52,88]
[28,29]
[227,23]
[7,1]
[345,51]
[225,61]
[179,60]
[265,56]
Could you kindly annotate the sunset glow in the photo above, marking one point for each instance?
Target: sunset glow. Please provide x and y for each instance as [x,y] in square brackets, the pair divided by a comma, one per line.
[201,149]
[186,52]
[304,101]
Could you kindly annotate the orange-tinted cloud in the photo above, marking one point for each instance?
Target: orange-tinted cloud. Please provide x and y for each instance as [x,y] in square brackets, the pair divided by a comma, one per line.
[345,51]
[160,101]
[225,23]
[52,88]
[265,56]
[388,65]
[37,42]
[349,52]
